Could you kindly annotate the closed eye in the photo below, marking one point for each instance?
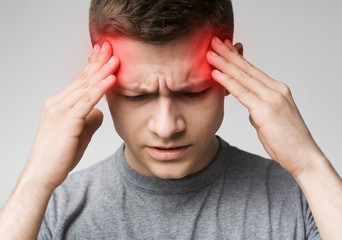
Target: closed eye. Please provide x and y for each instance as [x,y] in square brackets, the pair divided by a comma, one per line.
[143,97]
[138,97]
[195,94]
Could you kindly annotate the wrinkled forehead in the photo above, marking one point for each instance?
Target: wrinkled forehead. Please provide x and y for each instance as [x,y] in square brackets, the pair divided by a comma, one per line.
[179,63]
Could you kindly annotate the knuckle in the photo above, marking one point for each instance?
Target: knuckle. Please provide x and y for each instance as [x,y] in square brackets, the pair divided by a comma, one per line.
[84,84]
[256,111]
[245,75]
[83,75]
[244,94]
[245,91]
[273,103]
[52,111]
[49,102]
[96,62]
[92,60]
[284,89]
[247,65]
[227,77]
[228,48]
[86,98]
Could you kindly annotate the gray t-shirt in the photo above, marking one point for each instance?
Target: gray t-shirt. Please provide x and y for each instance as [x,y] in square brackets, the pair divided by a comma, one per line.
[238,196]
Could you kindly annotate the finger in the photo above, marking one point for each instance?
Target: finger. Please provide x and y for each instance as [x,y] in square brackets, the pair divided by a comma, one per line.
[243,94]
[90,98]
[71,95]
[92,122]
[108,69]
[230,54]
[266,146]
[99,57]
[244,78]
[278,86]
[82,80]
[89,55]
[262,138]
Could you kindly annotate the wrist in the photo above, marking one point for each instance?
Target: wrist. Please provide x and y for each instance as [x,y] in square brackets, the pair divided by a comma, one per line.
[316,164]
[38,172]
[31,181]
[25,209]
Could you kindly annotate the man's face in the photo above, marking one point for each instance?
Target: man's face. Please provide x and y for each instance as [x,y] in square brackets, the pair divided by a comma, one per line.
[166,106]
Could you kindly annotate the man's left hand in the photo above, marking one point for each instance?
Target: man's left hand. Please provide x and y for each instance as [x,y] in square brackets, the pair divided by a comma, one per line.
[273,112]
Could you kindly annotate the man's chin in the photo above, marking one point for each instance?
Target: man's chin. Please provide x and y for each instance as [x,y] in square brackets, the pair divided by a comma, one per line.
[170,172]
[169,176]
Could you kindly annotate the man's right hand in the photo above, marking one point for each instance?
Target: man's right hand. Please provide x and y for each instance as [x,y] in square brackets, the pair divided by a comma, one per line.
[69,120]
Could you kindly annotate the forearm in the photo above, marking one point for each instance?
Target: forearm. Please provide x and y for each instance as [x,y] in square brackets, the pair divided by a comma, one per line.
[322,187]
[22,215]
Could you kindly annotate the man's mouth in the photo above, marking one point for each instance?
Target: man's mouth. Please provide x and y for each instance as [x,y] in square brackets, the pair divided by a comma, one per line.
[167,153]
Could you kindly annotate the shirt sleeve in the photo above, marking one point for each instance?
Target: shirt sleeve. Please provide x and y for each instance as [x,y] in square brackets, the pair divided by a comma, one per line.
[312,232]
[44,232]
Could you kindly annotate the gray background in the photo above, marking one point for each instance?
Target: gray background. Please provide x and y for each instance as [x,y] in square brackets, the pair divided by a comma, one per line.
[44,44]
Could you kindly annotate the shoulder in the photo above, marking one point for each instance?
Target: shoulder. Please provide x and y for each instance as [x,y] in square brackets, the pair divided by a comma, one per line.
[255,166]
[250,176]
[95,174]
[82,190]
[262,188]
[89,182]
[251,171]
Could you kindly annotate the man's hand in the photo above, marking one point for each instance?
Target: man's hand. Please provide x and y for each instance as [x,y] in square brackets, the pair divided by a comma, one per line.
[282,132]
[273,112]
[68,122]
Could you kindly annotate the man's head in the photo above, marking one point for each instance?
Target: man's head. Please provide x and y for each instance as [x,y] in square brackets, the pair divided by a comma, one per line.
[165,104]
[159,21]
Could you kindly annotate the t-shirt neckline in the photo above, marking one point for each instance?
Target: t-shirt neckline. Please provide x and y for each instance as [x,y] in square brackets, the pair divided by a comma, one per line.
[184,185]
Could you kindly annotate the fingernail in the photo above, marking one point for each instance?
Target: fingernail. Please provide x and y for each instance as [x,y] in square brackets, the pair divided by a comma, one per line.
[96,47]
[111,60]
[217,71]
[218,40]
[214,54]
[110,78]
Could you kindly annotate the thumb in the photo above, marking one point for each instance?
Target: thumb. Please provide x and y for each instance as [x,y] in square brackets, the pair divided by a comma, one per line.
[92,122]
[239,47]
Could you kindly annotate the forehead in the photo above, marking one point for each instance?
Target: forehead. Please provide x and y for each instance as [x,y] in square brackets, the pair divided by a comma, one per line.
[179,64]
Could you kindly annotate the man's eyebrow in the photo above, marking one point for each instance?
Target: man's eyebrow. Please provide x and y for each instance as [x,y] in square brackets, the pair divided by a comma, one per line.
[199,86]
[135,89]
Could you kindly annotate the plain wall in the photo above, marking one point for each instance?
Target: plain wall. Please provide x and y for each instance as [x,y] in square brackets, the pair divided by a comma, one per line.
[45,44]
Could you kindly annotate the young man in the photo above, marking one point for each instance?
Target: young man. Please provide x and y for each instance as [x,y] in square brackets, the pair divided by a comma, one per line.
[165,72]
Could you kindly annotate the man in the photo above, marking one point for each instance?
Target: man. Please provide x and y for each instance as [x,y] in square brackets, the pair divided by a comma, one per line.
[165,68]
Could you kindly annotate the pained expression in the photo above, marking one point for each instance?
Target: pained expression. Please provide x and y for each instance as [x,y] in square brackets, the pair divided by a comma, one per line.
[165,105]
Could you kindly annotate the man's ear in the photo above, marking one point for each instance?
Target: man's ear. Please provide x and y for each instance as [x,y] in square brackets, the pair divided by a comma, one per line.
[239,48]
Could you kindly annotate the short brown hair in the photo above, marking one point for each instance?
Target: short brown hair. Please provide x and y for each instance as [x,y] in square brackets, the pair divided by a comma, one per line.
[159,21]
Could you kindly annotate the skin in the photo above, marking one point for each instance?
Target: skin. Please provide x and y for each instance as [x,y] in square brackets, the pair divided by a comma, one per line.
[175,90]
[282,132]
[69,120]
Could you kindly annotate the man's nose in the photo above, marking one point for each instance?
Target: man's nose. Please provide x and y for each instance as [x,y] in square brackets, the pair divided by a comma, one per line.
[166,119]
